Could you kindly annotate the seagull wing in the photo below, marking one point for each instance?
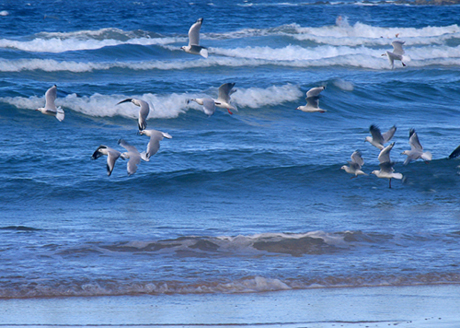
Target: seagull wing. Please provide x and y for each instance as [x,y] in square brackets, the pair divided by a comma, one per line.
[127,146]
[414,142]
[143,114]
[376,134]
[225,92]
[386,167]
[356,158]
[397,47]
[50,97]
[384,155]
[134,160]
[112,156]
[194,33]
[209,106]
[312,102]
[154,143]
[313,92]
[389,134]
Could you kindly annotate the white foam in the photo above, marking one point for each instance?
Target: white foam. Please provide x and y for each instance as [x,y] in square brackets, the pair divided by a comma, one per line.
[162,106]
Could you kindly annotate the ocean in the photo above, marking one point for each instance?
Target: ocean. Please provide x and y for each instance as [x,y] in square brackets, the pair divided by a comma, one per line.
[244,203]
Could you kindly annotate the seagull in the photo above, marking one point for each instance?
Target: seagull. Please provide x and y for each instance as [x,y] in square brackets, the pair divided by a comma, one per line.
[397,53]
[143,111]
[112,156]
[223,100]
[355,165]
[208,104]
[50,107]
[378,139]
[154,143]
[194,40]
[312,101]
[132,154]
[386,165]
[416,149]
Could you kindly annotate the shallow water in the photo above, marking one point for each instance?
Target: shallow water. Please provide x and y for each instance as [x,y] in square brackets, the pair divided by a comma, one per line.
[249,202]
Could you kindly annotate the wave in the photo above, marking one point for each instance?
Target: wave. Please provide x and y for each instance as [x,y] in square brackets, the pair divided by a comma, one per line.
[250,284]
[247,246]
[337,35]
[289,56]
[164,106]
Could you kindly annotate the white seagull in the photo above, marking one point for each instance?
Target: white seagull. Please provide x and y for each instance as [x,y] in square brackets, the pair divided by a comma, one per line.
[143,111]
[386,165]
[194,40]
[378,139]
[223,100]
[112,156]
[154,143]
[312,101]
[132,154]
[416,149]
[355,165]
[50,108]
[397,53]
[209,106]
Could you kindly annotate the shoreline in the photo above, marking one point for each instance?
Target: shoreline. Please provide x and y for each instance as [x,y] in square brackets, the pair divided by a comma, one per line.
[404,306]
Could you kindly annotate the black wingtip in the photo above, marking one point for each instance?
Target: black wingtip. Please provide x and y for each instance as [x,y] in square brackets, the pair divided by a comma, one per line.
[455,153]
[411,132]
[125,100]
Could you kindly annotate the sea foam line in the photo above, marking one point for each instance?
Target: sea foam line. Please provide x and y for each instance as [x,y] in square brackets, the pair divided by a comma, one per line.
[163,106]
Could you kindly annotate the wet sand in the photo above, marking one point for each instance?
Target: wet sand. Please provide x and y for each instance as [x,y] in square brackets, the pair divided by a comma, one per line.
[415,306]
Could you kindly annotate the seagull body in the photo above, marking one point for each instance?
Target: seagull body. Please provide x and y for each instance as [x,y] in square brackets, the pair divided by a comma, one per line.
[132,154]
[355,165]
[50,107]
[378,139]
[312,101]
[194,40]
[112,156]
[223,100]
[209,106]
[154,143]
[143,111]
[416,149]
[386,165]
[397,53]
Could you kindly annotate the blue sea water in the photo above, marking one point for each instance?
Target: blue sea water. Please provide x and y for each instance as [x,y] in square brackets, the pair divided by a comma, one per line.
[250,202]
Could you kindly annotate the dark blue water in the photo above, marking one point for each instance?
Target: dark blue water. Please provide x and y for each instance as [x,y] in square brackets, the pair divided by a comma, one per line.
[248,202]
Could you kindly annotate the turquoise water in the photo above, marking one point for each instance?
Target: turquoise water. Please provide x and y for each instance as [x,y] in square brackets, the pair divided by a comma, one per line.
[249,202]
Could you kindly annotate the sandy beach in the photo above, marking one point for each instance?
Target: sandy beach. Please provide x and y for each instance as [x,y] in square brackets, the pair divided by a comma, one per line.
[419,306]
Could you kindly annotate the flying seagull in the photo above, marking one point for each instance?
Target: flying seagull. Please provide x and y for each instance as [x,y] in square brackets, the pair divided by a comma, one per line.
[50,108]
[397,53]
[112,156]
[386,165]
[378,139]
[132,154]
[223,100]
[209,106]
[194,40]
[143,111]
[312,101]
[355,165]
[416,149]
[154,143]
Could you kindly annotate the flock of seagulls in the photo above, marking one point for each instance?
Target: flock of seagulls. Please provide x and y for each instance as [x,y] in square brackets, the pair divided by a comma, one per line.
[134,157]
[378,140]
